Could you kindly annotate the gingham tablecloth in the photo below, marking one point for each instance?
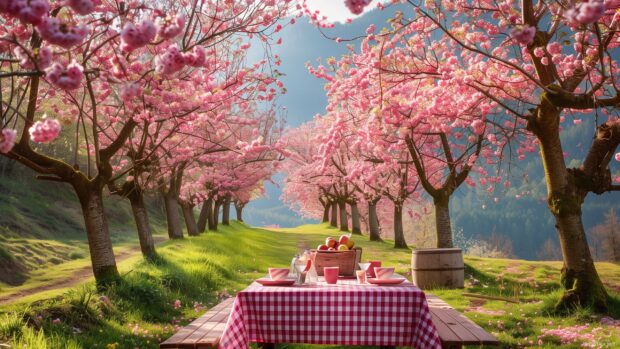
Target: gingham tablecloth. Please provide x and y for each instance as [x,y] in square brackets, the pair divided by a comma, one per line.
[346,313]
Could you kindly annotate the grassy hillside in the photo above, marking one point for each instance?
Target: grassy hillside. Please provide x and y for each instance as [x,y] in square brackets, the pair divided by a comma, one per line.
[42,229]
[199,271]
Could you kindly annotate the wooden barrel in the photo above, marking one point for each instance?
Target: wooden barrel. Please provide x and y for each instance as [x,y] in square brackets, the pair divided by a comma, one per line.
[438,267]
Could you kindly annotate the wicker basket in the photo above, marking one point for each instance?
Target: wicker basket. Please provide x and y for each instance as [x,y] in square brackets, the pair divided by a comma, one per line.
[348,261]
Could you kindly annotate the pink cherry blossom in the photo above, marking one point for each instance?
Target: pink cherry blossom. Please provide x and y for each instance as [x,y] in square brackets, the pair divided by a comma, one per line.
[478,126]
[42,57]
[83,7]
[44,130]
[133,37]
[523,34]
[61,34]
[28,11]
[170,26]
[171,61]
[177,304]
[196,58]
[357,6]
[130,91]
[590,11]
[7,140]
[67,78]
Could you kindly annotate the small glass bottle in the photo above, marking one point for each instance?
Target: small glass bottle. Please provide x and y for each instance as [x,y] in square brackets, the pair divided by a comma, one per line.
[312,277]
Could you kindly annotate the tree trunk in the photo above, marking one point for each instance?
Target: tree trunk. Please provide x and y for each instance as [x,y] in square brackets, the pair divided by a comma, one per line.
[216,215]
[99,241]
[334,219]
[355,220]
[172,217]
[239,210]
[326,208]
[226,212]
[579,277]
[443,226]
[399,233]
[203,218]
[140,215]
[344,219]
[373,222]
[190,220]
[212,224]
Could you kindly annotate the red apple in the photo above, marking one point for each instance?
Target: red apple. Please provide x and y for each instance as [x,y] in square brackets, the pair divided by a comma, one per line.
[322,248]
[346,240]
[331,242]
[331,249]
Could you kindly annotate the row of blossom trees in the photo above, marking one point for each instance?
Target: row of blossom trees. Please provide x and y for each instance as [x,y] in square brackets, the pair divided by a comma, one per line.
[151,95]
[460,87]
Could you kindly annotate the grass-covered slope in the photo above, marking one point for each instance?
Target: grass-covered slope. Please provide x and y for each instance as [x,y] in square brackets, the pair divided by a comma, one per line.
[42,229]
[199,271]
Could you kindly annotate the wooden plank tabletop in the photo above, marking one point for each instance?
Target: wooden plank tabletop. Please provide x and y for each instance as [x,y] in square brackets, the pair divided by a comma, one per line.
[455,327]
[204,332]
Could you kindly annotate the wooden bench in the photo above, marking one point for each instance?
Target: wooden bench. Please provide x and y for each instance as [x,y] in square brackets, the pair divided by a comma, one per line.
[454,329]
[204,332]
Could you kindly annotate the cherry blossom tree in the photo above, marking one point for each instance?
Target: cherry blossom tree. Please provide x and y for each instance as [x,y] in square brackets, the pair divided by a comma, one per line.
[80,63]
[545,64]
[305,189]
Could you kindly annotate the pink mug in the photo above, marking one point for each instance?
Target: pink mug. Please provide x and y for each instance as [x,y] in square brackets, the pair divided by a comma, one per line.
[331,274]
[371,268]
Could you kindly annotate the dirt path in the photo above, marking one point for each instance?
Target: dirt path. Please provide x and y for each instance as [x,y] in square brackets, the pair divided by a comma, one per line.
[77,277]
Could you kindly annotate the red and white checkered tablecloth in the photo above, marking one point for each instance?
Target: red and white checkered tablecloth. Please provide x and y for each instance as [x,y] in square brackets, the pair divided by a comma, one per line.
[346,313]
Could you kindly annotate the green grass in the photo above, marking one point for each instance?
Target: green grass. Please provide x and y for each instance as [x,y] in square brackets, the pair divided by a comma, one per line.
[200,271]
[42,231]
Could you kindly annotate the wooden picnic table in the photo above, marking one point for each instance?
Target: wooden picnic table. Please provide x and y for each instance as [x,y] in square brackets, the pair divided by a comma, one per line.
[452,328]
[346,313]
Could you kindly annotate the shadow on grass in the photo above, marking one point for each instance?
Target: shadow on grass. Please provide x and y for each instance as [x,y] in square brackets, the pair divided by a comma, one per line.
[507,286]
[584,314]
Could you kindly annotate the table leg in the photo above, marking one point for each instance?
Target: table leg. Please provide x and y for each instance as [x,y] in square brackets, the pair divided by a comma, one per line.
[267,345]
[387,347]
